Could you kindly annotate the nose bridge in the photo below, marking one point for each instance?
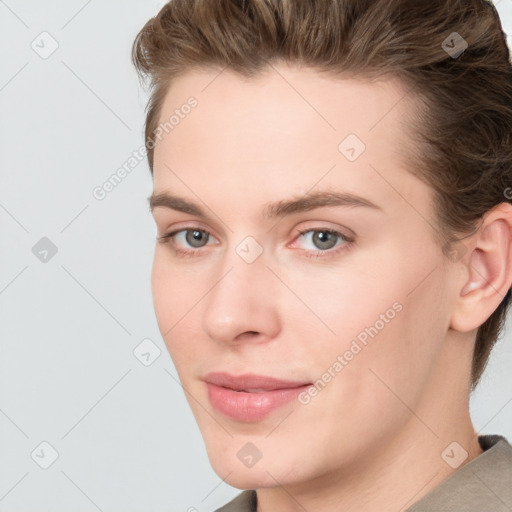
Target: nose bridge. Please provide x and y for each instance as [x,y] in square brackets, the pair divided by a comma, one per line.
[242,297]
[244,266]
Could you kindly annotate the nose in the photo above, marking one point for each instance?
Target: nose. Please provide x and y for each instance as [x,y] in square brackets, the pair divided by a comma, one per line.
[244,303]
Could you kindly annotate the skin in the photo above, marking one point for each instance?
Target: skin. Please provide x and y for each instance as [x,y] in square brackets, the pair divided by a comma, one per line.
[373,436]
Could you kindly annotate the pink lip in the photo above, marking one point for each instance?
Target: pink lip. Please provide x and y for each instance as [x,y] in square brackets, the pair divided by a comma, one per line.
[229,395]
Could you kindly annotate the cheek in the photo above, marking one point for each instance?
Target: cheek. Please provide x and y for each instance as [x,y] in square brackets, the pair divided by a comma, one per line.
[177,291]
[387,321]
[394,365]
[340,302]
[173,297]
[163,297]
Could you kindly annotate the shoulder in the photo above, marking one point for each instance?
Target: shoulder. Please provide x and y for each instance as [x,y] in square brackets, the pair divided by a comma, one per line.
[485,483]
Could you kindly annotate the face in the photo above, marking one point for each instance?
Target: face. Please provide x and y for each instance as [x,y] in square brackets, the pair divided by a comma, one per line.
[302,250]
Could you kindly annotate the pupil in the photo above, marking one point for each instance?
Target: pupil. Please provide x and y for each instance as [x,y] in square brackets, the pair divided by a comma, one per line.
[197,236]
[323,237]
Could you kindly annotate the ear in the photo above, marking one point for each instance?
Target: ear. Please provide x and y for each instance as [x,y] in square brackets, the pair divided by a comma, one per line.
[487,275]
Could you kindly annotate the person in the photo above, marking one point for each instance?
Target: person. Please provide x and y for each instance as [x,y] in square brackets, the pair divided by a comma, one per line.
[333,265]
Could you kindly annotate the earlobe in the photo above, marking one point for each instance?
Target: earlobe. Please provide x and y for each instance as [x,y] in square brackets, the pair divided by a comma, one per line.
[489,270]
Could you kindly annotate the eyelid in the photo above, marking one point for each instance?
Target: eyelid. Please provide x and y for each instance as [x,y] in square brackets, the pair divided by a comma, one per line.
[347,240]
[167,236]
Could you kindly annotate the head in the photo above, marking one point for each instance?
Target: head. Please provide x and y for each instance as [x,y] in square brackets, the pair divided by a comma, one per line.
[261,113]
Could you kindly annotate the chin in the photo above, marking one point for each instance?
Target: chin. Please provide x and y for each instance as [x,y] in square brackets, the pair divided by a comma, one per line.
[230,466]
[246,478]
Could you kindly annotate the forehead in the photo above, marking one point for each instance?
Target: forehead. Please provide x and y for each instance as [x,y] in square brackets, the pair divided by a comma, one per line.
[286,129]
[289,98]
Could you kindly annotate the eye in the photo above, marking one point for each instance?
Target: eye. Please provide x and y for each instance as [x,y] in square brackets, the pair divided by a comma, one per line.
[324,241]
[193,237]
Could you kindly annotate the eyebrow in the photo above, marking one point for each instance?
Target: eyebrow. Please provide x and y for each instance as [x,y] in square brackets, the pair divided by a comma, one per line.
[281,208]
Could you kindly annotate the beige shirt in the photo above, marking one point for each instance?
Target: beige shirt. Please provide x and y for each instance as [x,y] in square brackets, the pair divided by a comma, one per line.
[482,485]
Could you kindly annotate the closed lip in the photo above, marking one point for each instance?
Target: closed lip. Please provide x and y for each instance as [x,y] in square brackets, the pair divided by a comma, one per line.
[250,382]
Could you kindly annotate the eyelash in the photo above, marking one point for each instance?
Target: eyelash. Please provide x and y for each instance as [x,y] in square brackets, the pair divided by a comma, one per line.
[167,239]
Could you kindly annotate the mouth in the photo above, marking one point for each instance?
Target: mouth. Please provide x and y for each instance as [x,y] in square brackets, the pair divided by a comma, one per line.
[251,382]
[250,397]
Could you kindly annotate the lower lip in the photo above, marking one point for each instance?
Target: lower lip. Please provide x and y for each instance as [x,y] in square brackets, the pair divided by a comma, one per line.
[244,406]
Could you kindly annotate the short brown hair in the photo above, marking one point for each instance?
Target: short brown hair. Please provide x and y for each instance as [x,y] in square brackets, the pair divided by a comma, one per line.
[464,134]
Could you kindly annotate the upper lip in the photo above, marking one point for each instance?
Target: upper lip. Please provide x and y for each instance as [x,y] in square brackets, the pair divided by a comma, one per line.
[250,381]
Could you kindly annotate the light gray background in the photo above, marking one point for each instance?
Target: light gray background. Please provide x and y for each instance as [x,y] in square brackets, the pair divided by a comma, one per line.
[125,437]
